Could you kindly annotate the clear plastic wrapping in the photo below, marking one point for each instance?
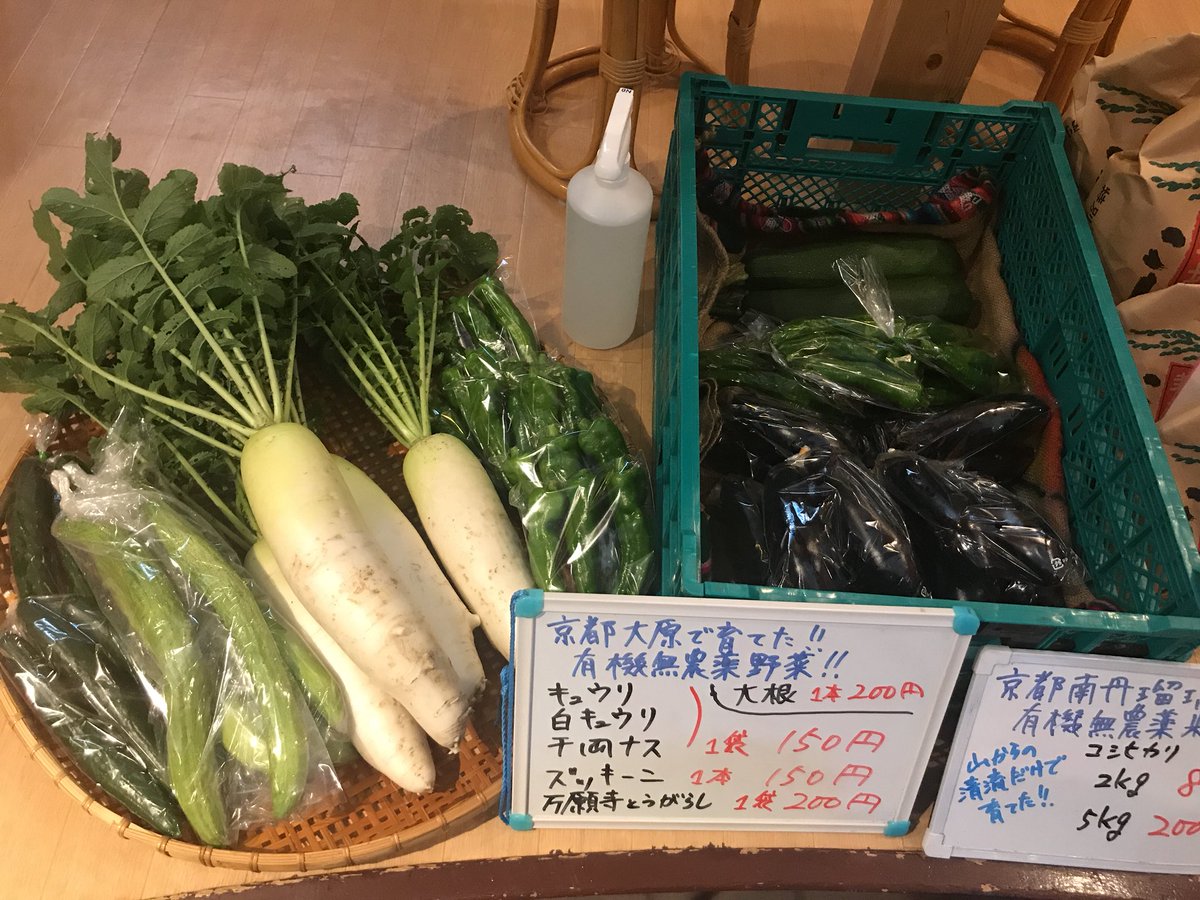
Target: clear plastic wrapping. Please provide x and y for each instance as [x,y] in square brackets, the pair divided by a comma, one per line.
[551,444]
[867,283]
[796,508]
[242,748]
[975,538]
[94,744]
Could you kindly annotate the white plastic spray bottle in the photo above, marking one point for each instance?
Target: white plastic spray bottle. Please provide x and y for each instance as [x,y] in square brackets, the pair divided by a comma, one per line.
[608,218]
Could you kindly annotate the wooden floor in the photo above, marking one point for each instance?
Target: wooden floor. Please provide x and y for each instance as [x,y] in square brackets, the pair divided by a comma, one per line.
[401,103]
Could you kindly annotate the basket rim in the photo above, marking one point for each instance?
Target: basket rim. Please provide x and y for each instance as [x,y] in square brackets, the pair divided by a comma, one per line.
[468,812]
[252,860]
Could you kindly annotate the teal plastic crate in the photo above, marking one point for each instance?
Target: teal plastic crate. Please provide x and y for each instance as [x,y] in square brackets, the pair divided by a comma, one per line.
[827,151]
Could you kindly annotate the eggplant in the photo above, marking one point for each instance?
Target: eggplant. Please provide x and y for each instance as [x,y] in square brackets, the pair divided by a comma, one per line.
[757,435]
[996,437]
[805,527]
[975,539]
[880,554]
[737,543]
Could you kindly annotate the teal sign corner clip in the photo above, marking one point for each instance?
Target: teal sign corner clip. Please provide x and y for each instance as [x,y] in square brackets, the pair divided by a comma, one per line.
[898,827]
[966,620]
[520,821]
[528,603]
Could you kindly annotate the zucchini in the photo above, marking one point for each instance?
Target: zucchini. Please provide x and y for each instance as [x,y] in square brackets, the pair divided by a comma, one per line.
[105,683]
[944,296]
[142,592]
[279,723]
[812,264]
[102,756]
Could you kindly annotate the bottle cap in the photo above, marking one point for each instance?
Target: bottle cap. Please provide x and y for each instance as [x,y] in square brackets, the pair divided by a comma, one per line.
[612,159]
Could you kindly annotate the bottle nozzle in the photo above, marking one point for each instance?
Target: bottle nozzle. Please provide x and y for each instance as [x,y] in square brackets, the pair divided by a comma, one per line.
[612,159]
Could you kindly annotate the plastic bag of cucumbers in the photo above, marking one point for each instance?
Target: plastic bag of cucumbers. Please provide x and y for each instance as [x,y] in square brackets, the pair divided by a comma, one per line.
[241,746]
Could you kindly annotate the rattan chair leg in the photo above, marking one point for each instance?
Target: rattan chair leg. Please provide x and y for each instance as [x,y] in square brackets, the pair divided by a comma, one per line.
[740,40]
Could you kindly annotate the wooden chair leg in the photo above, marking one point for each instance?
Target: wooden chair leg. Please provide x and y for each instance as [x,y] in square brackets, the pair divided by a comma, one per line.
[529,79]
[619,60]
[661,59]
[681,44]
[740,40]
[1114,29]
[1087,26]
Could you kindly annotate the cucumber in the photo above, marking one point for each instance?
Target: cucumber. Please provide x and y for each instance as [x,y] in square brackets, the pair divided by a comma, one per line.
[60,617]
[140,589]
[280,723]
[105,683]
[100,754]
[40,566]
[812,264]
[946,297]
[242,740]
[321,689]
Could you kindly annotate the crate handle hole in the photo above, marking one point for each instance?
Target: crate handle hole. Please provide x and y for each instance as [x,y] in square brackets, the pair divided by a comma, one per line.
[846,148]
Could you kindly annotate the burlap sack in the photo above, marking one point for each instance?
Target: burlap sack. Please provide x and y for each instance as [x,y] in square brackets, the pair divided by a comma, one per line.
[1133,138]
[1163,329]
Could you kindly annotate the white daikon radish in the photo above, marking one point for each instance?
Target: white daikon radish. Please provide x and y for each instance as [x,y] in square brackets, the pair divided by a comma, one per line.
[382,731]
[453,625]
[307,517]
[467,523]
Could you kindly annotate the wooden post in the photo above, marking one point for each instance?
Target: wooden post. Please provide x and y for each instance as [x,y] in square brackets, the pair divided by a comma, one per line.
[921,49]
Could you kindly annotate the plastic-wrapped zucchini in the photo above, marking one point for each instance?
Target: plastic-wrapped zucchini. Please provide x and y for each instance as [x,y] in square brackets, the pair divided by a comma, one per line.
[101,755]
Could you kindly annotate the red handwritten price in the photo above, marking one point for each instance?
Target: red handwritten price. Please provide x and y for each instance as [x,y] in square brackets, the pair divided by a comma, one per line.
[1180,828]
[803,801]
[833,693]
[1193,782]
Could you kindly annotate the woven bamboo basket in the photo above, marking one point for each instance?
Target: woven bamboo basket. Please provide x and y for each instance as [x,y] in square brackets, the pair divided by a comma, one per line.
[377,819]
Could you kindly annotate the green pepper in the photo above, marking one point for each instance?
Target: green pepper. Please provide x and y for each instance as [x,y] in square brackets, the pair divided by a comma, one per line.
[535,409]
[602,441]
[582,533]
[559,459]
[635,549]
[489,293]
[580,400]
[542,514]
[474,389]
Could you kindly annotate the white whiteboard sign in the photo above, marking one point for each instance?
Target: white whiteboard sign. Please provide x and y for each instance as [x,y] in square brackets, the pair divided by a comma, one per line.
[1074,760]
[664,712]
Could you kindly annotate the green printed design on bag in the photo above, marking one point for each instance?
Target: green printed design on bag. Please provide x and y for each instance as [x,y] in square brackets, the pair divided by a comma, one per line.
[1169,185]
[1171,342]
[1148,109]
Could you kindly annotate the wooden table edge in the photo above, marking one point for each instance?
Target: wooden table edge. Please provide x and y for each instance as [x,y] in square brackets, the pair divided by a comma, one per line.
[710,869]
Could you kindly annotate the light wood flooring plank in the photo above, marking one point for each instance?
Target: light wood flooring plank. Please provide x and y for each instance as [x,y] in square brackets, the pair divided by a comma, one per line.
[29,97]
[406,51]
[313,188]
[24,252]
[92,95]
[188,22]
[276,95]
[329,114]
[237,37]
[130,22]
[21,21]
[147,111]
[198,139]
[376,176]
